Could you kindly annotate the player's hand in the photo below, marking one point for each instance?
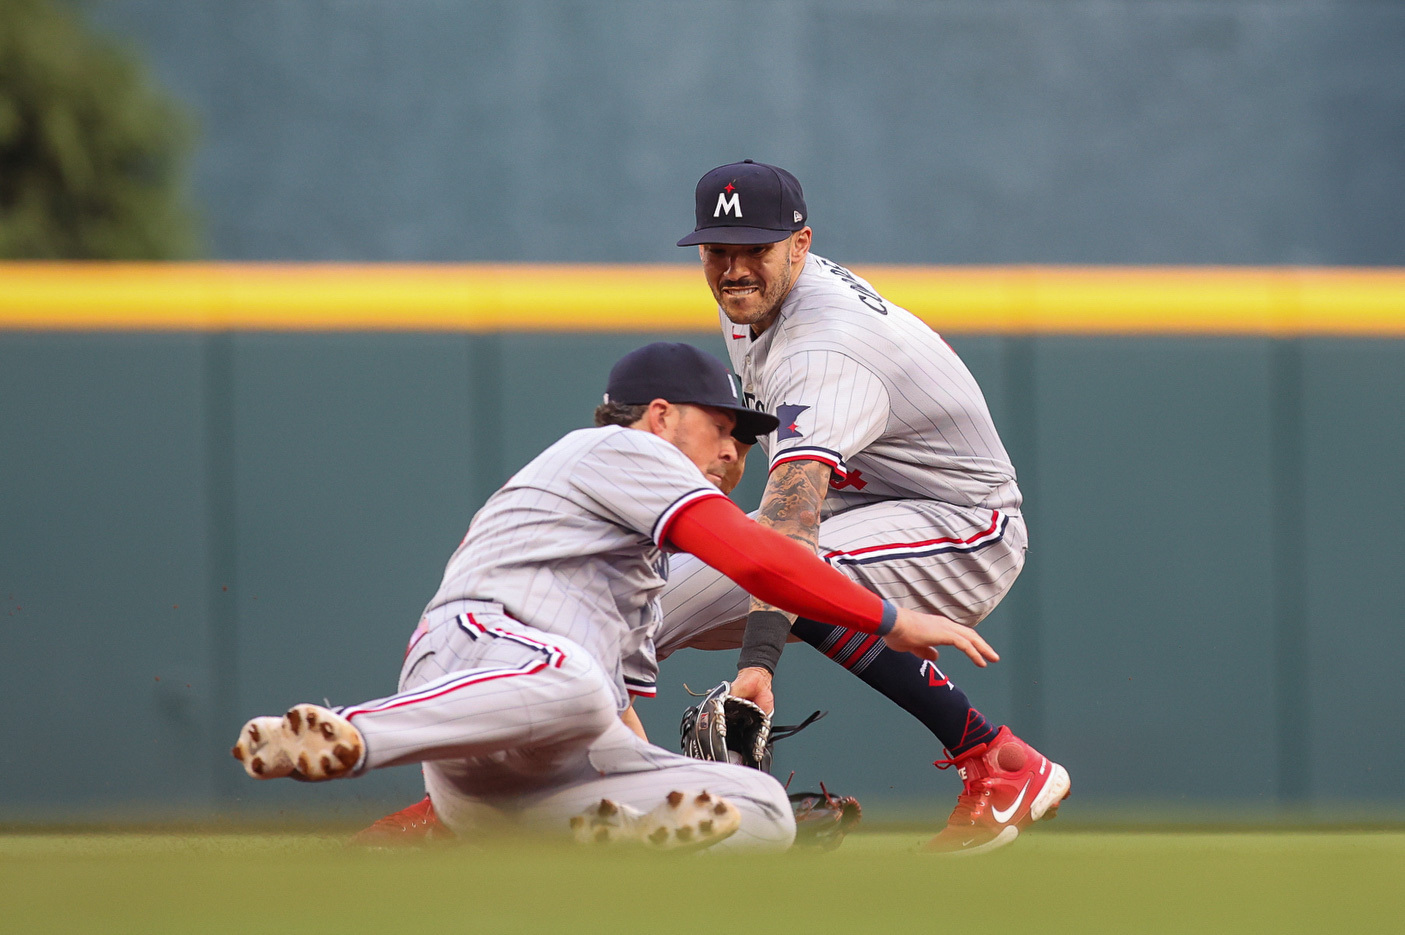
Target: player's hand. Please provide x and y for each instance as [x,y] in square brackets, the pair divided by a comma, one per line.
[920,634]
[754,684]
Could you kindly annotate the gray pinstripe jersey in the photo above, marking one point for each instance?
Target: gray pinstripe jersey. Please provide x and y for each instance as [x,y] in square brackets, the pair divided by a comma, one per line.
[868,388]
[570,544]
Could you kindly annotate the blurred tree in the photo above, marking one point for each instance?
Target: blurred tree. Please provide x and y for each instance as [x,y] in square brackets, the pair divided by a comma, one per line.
[92,156]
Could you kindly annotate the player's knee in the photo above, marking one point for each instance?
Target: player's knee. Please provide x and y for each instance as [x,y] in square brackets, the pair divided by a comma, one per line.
[768,822]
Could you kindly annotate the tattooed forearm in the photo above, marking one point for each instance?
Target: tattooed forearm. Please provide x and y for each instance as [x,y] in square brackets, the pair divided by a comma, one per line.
[791,505]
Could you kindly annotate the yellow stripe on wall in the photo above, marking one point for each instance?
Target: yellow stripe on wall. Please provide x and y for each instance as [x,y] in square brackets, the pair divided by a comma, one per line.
[529,297]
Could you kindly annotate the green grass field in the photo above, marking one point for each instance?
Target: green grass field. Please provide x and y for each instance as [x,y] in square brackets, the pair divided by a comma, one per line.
[1050,881]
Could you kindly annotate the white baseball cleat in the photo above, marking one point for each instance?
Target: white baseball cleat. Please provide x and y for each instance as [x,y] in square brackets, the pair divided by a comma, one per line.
[309,742]
[684,821]
[606,822]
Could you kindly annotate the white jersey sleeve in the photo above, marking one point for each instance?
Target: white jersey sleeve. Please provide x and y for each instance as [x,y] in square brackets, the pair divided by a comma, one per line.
[831,407]
[641,671]
[639,481]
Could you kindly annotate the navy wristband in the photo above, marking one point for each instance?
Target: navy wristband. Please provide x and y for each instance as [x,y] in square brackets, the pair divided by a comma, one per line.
[765,636]
[890,619]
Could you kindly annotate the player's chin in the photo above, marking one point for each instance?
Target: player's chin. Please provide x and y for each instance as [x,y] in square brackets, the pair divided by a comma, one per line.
[743,308]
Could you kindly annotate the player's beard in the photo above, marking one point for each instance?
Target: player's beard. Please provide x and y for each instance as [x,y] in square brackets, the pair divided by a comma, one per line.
[771,298]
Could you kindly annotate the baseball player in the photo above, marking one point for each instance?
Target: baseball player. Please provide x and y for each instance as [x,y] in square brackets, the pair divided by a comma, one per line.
[886,462]
[512,691]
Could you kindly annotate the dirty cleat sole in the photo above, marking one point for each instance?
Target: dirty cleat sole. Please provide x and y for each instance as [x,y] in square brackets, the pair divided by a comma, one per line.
[261,749]
[309,742]
[683,822]
[690,822]
[606,822]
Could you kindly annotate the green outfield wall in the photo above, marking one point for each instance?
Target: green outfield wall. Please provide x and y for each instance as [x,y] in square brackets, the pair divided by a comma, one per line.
[201,525]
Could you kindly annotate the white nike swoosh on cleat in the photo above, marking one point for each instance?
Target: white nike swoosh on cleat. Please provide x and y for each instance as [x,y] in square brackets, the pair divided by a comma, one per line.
[1003,815]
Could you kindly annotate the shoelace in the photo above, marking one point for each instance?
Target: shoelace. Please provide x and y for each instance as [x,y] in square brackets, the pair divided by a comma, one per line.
[971,799]
[973,792]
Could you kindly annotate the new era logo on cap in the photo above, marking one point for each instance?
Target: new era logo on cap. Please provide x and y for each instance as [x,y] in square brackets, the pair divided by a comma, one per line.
[746,203]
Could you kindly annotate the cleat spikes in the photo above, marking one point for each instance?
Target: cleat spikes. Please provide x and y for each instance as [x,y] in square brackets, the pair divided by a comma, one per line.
[272,747]
[682,821]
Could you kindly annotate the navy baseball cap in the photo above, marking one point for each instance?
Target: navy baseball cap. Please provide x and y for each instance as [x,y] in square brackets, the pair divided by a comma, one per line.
[747,203]
[680,373]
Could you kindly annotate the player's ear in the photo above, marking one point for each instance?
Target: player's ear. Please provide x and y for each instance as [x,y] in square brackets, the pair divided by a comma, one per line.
[660,414]
[800,244]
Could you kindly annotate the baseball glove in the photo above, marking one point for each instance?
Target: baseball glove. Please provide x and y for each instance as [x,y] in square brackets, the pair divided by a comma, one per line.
[727,729]
[733,730]
[822,818]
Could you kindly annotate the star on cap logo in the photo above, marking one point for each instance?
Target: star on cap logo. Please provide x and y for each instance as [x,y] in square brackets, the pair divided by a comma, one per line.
[729,200]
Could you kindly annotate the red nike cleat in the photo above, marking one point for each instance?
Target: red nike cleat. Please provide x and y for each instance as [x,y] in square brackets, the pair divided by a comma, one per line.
[1009,785]
[409,827]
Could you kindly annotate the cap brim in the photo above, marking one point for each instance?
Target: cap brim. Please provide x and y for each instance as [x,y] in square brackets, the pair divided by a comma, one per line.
[751,425]
[734,235]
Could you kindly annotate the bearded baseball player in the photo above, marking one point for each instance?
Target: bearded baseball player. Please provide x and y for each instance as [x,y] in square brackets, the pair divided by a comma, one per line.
[885,462]
[512,691]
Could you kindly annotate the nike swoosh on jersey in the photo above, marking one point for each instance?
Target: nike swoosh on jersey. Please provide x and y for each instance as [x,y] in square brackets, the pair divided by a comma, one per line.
[1003,815]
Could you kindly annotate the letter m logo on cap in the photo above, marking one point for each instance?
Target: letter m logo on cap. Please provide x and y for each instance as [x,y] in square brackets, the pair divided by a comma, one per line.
[727,203]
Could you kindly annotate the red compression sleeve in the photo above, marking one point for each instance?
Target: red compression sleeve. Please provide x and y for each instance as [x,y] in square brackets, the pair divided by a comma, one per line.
[776,569]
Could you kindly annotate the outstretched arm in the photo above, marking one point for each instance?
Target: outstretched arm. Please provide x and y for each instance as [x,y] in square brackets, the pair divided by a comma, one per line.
[789,575]
[791,506]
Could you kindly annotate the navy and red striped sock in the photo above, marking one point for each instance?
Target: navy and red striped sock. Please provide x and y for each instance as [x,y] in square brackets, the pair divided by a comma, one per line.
[918,687]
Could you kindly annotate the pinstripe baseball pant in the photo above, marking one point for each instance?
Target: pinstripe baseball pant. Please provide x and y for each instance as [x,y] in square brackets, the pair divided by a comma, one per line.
[514,724]
[921,554]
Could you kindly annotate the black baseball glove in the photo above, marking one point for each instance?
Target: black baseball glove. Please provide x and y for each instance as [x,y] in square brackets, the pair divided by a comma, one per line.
[727,729]
[734,730]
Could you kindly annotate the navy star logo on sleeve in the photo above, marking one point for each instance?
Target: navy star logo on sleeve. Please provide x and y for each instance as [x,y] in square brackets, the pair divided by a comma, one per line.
[789,415]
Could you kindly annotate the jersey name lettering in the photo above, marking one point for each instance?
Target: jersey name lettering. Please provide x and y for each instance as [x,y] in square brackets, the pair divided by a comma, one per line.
[867,296]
